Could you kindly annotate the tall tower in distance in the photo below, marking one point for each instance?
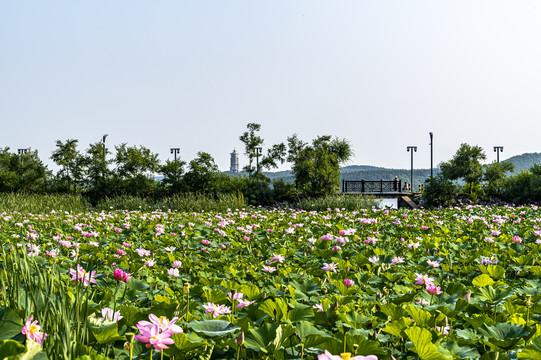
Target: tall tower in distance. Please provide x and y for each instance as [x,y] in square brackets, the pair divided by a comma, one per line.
[234,161]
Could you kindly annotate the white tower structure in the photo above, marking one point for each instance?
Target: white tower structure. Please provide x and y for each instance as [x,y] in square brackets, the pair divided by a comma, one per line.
[234,161]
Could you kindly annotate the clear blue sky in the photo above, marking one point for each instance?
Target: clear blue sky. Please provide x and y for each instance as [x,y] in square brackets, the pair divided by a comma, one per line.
[192,74]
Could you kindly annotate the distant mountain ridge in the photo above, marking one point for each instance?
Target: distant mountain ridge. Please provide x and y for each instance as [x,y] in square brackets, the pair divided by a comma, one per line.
[369,172]
[524,161]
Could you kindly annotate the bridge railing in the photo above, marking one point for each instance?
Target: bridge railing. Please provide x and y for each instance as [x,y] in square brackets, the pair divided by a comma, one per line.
[371,186]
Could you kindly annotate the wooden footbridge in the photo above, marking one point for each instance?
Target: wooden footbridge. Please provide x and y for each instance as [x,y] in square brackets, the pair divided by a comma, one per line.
[381,189]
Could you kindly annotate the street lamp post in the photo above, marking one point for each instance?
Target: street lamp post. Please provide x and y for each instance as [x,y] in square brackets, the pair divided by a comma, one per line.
[258,151]
[431,155]
[175,151]
[412,149]
[22,152]
[104,153]
[498,149]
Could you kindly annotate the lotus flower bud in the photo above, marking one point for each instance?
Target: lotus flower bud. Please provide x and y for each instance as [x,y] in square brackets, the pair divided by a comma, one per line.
[240,338]
[467,297]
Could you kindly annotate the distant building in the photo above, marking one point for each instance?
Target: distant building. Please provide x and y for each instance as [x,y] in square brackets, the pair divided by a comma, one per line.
[234,161]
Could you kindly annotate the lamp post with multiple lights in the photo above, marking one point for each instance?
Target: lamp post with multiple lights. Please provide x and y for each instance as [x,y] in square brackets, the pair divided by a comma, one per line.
[497,150]
[175,151]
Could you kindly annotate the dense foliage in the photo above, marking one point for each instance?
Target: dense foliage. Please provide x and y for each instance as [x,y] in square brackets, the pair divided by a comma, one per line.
[279,284]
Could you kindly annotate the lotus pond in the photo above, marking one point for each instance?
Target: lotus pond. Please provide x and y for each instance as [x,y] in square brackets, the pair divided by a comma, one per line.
[272,284]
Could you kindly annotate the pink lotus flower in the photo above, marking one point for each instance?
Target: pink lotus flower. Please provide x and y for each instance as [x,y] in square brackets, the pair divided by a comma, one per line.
[330,267]
[121,275]
[328,356]
[32,331]
[373,259]
[173,272]
[108,314]
[216,310]
[164,325]
[433,289]
[152,337]
[269,269]
[236,296]
[422,302]
[278,258]
[349,282]
[243,303]
[423,280]
[81,275]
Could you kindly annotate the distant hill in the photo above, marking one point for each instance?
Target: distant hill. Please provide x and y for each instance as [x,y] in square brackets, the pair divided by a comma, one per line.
[359,172]
[525,161]
[368,172]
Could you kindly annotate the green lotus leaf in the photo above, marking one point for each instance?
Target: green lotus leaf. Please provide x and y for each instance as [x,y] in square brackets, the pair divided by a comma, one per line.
[104,331]
[482,280]
[463,352]
[10,324]
[496,271]
[187,342]
[11,348]
[92,357]
[276,309]
[213,328]
[268,338]
[532,351]
[421,316]
[422,342]
[301,312]
[397,327]
[504,335]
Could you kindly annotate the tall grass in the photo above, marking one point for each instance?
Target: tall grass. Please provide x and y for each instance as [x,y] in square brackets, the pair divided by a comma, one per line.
[125,202]
[42,203]
[341,201]
[195,202]
[41,289]
[181,202]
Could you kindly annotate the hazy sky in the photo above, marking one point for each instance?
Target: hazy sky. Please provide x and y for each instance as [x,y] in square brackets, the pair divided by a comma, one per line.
[192,74]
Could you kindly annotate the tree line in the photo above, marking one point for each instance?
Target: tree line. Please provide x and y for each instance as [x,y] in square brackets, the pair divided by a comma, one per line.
[98,173]
[464,175]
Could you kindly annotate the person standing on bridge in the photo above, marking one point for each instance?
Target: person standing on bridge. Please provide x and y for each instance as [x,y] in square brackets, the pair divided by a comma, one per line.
[395,184]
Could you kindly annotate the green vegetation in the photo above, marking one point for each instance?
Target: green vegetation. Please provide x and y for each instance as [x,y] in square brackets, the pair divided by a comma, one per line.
[459,283]
[42,203]
[492,183]
[128,176]
[349,202]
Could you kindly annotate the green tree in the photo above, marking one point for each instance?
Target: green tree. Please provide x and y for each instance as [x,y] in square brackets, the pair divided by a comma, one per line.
[172,172]
[316,167]
[495,175]
[135,167]
[466,165]
[22,172]
[251,142]
[202,175]
[276,154]
[97,172]
[438,191]
[71,162]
